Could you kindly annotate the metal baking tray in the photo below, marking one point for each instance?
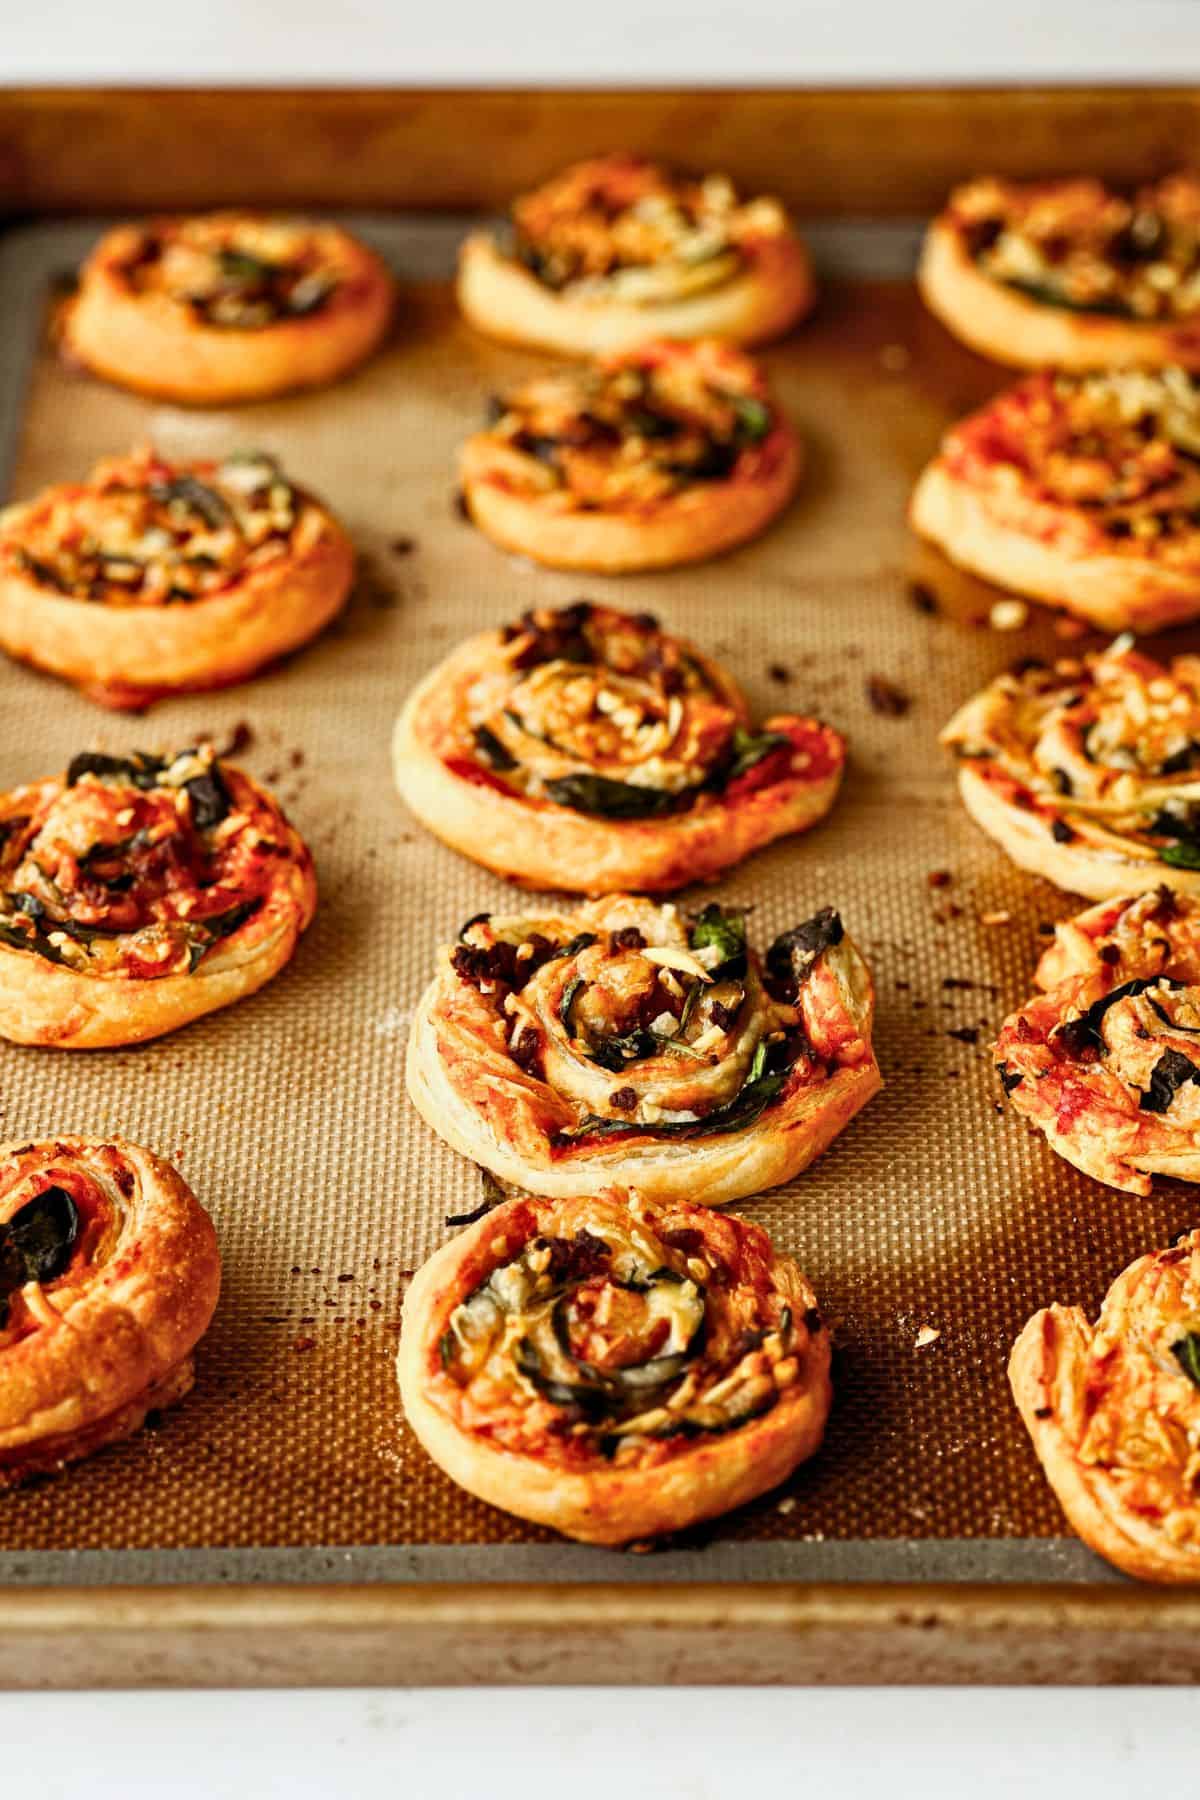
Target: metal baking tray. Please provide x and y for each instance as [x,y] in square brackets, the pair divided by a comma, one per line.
[282,1524]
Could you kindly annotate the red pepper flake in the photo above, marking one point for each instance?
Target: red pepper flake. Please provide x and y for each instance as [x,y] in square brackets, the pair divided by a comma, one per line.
[402,546]
[886,698]
[965,1034]
[923,598]
[939,878]
[779,673]
[304,1343]
[1109,953]
[349,1277]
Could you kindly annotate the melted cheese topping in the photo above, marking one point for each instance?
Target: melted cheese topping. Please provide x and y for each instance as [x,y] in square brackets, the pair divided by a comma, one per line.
[143,531]
[234,271]
[588,691]
[633,429]
[620,228]
[1077,244]
[620,1016]
[1132,1412]
[619,1334]
[138,874]
[1117,458]
[1109,747]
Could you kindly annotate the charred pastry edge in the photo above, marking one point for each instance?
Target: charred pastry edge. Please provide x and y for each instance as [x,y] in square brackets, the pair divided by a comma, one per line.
[711,1475]
[161,350]
[1039,1366]
[63,1008]
[791,1130]
[127,656]
[1010,327]
[552,846]
[133,1322]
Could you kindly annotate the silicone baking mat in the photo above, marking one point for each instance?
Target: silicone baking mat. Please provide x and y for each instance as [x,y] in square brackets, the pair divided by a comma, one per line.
[287,1113]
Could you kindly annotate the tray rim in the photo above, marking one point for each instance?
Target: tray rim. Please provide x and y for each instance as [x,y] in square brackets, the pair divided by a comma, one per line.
[1090,1626]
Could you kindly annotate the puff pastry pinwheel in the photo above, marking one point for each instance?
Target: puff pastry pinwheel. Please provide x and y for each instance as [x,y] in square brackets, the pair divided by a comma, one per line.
[138,893]
[617,250]
[613,1368]
[227,306]
[1089,772]
[660,456]
[627,1044]
[155,577]
[1083,491]
[1114,1413]
[584,748]
[109,1275]
[1106,1061]
[1069,273]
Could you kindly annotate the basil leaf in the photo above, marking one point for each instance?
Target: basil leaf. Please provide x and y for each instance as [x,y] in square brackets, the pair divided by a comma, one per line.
[141,769]
[1172,1071]
[1181,856]
[197,497]
[753,418]
[1049,296]
[221,925]
[1083,1034]
[791,957]
[743,1110]
[493,752]
[36,1243]
[605,799]
[726,932]
[243,267]
[749,749]
[1186,1351]
[568,1000]
[209,797]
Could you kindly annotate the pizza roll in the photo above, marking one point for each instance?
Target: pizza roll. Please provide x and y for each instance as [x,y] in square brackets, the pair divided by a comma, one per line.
[1088,773]
[155,577]
[109,1275]
[617,250]
[137,894]
[665,455]
[1079,490]
[1106,1060]
[625,1043]
[1069,273]
[221,307]
[1114,1413]
[614,1368]
[583,748]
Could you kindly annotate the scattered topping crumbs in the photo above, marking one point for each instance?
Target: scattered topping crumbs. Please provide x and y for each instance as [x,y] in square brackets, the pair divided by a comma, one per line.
[926,1335]
[886,698]
[1008,615]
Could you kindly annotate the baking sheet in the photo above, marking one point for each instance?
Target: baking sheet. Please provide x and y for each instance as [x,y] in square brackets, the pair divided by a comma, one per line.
[287,1112]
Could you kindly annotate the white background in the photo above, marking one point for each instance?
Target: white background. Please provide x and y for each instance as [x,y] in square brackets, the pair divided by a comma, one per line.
[576,1744]
[531,41]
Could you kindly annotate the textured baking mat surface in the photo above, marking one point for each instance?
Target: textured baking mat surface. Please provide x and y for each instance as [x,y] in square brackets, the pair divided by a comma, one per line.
[287,1113]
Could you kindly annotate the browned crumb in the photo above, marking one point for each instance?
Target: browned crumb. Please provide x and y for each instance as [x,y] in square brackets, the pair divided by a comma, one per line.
[886,698]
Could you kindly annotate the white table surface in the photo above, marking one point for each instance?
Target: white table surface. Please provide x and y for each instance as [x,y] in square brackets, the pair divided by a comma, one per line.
[579,1743]
[600,1744]
[547,41]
